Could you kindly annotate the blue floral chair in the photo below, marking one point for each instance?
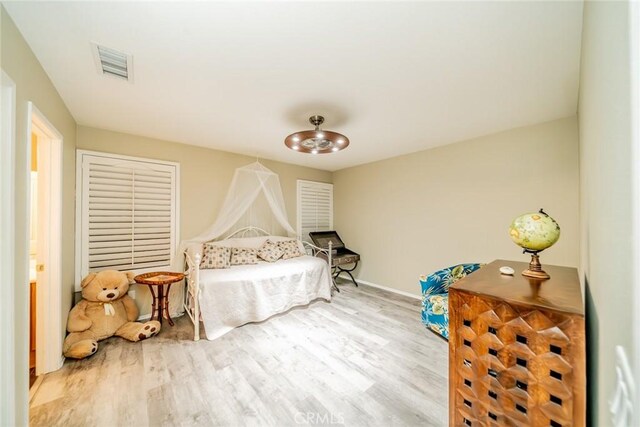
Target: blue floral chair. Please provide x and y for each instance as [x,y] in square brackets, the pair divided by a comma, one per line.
[435,296]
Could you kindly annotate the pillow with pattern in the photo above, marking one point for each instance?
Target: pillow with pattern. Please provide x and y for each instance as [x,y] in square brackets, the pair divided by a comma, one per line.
[270,251]
[290,249]
[242,256]
[215,256]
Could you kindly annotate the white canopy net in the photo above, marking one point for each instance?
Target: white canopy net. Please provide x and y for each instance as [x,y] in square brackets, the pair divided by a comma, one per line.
[251,186]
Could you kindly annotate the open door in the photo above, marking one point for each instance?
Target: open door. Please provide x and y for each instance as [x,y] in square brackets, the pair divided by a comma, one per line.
[33,250]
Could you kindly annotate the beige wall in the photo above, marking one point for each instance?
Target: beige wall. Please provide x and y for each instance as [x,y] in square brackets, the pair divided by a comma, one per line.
[414,214]
[205,176]
[32,84]
[606,195]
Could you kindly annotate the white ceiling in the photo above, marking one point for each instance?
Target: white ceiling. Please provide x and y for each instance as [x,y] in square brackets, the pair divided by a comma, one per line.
[394,77]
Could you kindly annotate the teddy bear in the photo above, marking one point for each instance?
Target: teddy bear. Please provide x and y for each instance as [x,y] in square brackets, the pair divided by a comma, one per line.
[105,310]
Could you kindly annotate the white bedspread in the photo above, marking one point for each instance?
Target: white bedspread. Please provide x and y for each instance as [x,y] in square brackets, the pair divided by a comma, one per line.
[251,293]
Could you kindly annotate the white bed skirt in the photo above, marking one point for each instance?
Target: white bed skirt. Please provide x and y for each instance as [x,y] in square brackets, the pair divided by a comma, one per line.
[252,293]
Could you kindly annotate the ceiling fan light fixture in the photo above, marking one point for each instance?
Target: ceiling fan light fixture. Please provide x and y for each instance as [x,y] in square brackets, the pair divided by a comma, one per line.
[316,141]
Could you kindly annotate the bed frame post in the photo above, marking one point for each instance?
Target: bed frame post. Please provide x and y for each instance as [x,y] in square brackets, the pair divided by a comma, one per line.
[330,259]
[328,251]
[191,296]
[196,301]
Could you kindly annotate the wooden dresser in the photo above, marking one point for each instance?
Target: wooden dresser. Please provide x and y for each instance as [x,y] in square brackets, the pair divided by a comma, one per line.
[516,348]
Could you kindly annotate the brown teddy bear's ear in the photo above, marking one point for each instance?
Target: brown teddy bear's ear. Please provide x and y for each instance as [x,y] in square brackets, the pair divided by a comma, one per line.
[88,279]
[130,276]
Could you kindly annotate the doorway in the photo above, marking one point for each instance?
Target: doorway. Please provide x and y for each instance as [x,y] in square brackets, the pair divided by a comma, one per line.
[45,243]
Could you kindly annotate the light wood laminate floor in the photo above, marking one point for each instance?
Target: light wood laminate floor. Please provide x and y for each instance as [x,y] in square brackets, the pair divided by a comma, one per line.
[362,360]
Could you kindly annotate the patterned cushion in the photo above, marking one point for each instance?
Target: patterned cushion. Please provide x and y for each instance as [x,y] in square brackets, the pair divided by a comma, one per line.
[435,296]
[435,314]
[270,251]
[242,256]
[215,256]
[290,249]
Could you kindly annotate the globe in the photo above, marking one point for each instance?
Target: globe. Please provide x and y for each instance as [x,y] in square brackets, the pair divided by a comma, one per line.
[534,232]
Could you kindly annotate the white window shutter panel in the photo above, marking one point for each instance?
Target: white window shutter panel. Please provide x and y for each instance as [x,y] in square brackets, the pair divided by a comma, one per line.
[128,213]
[315,207]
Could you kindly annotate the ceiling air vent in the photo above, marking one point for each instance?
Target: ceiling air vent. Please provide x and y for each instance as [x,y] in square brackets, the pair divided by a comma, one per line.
[112,62]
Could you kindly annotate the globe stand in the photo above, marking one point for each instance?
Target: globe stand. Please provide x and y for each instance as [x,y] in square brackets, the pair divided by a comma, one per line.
[535,268]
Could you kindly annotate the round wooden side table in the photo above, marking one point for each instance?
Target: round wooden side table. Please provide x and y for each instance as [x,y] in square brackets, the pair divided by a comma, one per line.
[158,280]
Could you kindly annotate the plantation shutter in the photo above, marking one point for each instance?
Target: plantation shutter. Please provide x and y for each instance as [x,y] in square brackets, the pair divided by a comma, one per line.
[128,211]
[315,207]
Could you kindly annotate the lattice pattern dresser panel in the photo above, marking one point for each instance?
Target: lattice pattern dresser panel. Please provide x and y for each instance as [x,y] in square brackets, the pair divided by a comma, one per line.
[516,360]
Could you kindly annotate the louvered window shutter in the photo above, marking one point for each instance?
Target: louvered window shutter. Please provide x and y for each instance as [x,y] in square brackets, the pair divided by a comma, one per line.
[128,213]
[315,207]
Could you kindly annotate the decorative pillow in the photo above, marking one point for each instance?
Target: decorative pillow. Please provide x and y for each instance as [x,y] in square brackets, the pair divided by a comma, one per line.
[270,251]
[242,242]
[242,256]
[290,249]
[214,256]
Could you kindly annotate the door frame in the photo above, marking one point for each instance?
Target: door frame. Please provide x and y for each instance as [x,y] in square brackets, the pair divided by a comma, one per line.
[49,333]
[634,56]
[7,250]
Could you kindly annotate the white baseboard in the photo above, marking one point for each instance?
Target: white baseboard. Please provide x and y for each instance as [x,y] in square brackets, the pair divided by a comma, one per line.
[34,388]
[386,288]
[148,316]
[36,385]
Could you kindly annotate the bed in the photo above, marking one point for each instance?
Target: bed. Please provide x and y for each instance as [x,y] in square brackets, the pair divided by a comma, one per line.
[227,298]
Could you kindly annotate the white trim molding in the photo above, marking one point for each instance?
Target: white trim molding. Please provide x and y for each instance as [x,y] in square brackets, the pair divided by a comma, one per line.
[634,37]
[49,332]
[7,251]
[146,317]
[386,288]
